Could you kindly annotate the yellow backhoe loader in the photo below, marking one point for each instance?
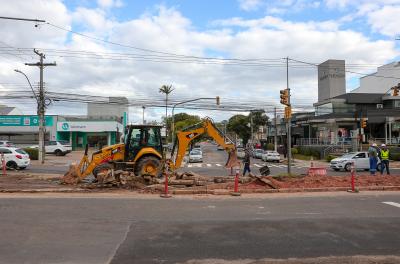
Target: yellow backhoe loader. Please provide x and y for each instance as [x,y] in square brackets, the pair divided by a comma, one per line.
[142,152]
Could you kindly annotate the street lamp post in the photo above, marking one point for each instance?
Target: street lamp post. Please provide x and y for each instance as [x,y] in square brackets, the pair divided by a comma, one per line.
[40,113]
[183,102]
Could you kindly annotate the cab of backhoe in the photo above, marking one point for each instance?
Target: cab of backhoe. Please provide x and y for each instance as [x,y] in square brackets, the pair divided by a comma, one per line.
[143,146]
[140,137]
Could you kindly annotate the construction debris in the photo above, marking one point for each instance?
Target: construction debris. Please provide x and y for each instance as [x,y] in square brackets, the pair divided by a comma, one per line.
[71,176]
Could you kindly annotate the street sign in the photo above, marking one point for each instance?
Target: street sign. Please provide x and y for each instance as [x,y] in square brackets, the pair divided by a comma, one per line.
[24,121]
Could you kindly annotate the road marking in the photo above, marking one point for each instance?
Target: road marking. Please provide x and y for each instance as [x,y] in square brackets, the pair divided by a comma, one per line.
[189,165]
[392,204]
[259,166]
[218,165]
[197,165]
[208,165]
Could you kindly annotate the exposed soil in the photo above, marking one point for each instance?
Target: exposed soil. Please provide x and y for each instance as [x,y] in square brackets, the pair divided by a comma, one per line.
[325,181]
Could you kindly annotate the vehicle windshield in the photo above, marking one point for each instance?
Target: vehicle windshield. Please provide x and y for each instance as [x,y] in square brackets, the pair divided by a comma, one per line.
[195,152]
[21,151]
[64,142]
[348,155]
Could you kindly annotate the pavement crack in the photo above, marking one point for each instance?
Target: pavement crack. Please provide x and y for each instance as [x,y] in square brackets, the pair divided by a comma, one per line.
[125,235]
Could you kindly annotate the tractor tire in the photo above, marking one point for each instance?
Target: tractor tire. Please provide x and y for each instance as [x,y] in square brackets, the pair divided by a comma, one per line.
[150,166]
[101,168]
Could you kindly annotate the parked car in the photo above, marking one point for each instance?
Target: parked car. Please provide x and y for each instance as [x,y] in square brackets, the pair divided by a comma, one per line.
[240,153]
[195,156]
[15,158]
[257,153]
[59,148]
[5,143]
[270,155]
[360,159]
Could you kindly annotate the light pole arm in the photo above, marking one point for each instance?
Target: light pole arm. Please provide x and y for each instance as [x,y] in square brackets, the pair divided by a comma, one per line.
[37,100]
[183,102]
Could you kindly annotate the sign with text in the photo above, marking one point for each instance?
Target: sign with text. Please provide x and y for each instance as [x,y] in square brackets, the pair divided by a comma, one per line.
[89,126]
[24,121]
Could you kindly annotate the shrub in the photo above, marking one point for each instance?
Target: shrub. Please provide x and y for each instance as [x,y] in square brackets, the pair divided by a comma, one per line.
[270,146]
[329,158]
[295,151]
[33,153]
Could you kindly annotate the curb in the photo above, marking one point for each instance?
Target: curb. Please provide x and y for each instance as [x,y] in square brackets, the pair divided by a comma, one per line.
[218,191]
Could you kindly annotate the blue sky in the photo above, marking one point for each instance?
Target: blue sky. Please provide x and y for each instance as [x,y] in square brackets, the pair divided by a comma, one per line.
[361,32]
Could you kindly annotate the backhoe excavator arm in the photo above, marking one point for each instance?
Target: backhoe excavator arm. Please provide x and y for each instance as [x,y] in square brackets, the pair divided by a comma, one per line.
[183,139]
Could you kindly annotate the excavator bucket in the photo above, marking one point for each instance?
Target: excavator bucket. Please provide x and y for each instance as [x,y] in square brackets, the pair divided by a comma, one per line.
[233,160]
[72,175]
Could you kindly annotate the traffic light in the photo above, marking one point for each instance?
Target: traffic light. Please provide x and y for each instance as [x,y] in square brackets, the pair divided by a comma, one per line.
[288,112]
[363,123]
[284,96]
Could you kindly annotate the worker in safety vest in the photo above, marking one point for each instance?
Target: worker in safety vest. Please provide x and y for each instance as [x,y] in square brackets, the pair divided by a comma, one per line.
[384,159]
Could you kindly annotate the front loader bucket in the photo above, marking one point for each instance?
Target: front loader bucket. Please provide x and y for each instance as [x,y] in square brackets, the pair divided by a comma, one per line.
[72,175]
[233,160]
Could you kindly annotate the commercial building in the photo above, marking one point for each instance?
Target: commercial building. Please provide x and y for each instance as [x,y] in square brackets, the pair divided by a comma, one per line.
[104,125]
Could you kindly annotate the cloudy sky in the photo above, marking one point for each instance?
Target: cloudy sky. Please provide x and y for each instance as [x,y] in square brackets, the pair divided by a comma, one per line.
[144,43]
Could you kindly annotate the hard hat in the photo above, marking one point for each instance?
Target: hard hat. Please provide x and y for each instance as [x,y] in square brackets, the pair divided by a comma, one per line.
[383,145]
[374,145]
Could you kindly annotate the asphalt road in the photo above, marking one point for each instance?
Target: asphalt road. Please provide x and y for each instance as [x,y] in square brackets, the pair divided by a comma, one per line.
[58,229]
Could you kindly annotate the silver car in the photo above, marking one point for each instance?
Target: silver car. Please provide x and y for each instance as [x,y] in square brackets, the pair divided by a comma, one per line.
[195,156]
[360,160]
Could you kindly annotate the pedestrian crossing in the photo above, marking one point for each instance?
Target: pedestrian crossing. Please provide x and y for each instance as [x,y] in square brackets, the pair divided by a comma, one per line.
[256,165]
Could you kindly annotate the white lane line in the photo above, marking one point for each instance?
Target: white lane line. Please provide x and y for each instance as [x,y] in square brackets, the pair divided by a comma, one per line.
[190,165]
[259,166]
[209,165]
[198,165]
[392,204]
[218,165]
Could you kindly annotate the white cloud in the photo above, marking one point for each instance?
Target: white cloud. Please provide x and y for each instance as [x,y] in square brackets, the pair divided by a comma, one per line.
[168,30]
[385,20]
[109,3]
[250,5]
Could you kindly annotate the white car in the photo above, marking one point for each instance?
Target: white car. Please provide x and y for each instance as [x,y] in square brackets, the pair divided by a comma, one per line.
[270,155]
[257,153]
[195,156]
[59,148]
[5,143]
[240,153]
[15,158]
[360,159]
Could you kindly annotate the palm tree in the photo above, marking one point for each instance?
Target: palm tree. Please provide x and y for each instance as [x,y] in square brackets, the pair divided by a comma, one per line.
[166,89]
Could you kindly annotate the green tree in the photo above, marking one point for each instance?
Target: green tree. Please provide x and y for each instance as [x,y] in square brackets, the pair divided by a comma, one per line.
[166,89]
[239,124]
[259,119]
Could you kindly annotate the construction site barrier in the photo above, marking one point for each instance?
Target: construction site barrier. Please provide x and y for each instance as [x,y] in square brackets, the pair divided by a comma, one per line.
[166,194]
[3,164]
[236,186]
[353,179]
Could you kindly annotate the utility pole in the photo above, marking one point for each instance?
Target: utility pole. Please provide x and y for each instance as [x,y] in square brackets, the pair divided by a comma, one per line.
[289,122]
[251,129]
[276,132]
[41,104]
[143,114]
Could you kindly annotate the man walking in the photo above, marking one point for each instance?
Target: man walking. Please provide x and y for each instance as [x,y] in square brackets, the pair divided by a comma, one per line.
[373,158]
[385,159]
[246,161]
